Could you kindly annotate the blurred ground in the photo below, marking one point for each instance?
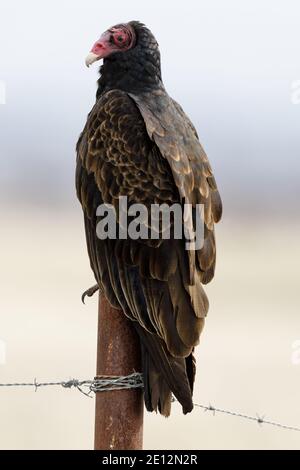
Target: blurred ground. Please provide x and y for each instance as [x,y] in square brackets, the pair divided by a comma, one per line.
[244,360]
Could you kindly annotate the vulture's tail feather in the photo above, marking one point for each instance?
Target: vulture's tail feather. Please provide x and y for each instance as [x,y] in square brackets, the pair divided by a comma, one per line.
[164,375]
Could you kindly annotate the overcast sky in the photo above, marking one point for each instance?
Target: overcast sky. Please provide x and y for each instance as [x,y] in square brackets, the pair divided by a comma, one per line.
[230,64]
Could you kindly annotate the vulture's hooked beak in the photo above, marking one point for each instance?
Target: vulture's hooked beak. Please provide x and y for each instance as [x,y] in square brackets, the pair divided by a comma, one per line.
[91,58]
[100,50]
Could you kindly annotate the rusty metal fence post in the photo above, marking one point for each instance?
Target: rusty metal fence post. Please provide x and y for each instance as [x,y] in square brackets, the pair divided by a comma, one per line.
[119,413]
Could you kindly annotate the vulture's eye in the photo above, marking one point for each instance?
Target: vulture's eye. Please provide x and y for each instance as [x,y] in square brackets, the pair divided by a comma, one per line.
[120,38]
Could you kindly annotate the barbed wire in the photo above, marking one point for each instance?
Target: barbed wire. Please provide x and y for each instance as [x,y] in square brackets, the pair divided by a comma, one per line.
[98,384]
[135,380]
[259,419]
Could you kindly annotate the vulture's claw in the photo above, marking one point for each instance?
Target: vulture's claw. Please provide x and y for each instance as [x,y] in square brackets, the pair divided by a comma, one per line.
[89,292]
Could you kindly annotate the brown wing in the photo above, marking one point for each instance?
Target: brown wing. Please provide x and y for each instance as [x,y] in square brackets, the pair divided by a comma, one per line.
[172,131]
[150,281]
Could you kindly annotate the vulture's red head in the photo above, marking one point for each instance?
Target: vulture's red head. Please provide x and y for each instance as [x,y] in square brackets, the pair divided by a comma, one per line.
[119,38]
[131,57]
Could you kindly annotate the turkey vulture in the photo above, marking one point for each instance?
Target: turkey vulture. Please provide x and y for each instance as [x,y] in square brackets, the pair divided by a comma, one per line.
[139,143]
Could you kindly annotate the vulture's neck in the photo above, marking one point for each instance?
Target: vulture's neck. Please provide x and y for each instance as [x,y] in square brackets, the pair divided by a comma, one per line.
[136,78]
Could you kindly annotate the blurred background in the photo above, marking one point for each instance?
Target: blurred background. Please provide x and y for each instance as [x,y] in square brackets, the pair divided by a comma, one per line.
[234,67]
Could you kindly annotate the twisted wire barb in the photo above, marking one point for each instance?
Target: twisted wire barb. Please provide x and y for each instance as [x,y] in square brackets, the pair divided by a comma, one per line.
[99,384]
[259,419]
[135,380]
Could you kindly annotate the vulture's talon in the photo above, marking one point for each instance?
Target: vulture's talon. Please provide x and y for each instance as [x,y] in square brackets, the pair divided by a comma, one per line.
[89,292]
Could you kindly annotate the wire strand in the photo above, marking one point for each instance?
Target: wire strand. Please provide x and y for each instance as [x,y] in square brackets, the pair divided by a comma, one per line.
[135,380]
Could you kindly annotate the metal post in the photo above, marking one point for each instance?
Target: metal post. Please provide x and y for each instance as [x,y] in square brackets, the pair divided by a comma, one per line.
[119,413]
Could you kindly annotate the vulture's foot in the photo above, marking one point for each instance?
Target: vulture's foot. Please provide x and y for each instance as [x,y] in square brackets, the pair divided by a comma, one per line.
[89,292]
